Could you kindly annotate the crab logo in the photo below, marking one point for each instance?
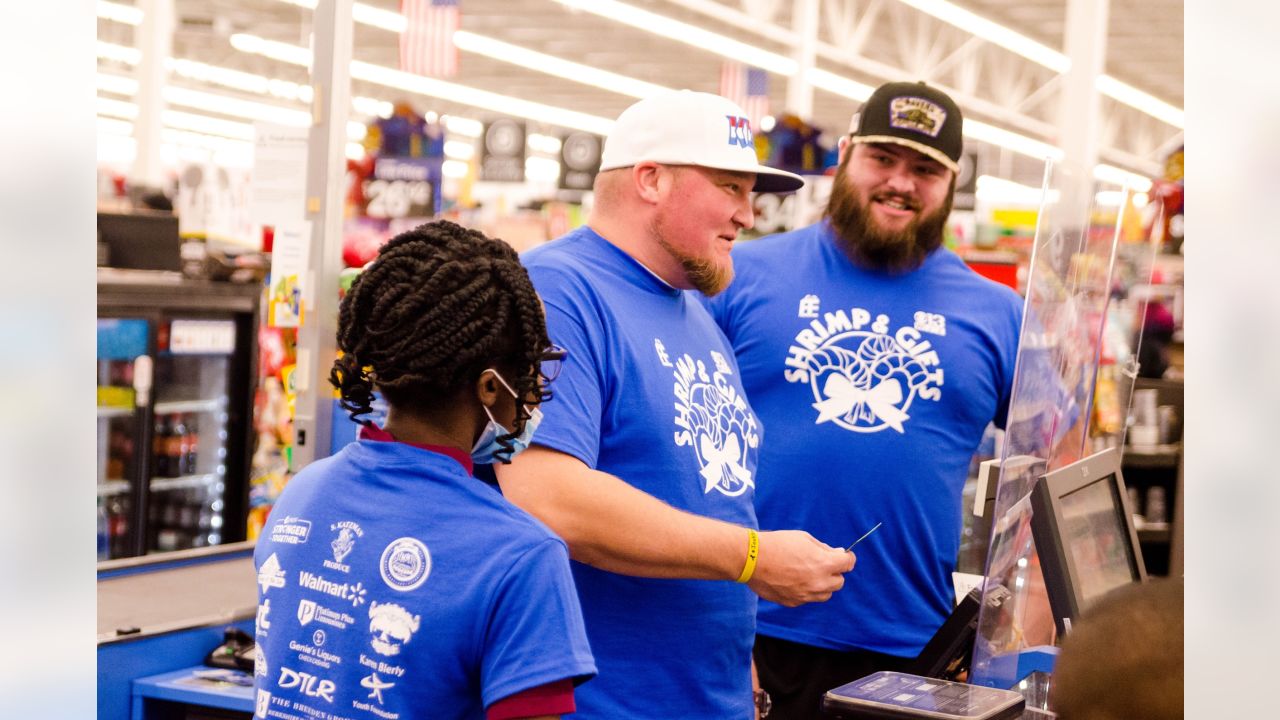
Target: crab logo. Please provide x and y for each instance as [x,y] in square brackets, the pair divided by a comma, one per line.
[866,382]
[714,419]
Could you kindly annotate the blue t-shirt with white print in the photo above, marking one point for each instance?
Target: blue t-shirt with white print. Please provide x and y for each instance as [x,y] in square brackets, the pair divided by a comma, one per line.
[650,393]
[876,390]
[393,585]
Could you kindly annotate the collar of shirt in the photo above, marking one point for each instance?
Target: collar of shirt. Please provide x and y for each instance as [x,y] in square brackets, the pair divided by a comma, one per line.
[369,431]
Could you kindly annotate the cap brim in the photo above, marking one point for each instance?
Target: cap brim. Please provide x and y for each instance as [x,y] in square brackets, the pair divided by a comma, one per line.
[767,179]
[776,181]
[934,153]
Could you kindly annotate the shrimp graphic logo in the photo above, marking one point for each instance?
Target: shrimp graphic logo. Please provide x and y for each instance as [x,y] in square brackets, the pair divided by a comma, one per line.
[863,377]
[713,418]
[391,626]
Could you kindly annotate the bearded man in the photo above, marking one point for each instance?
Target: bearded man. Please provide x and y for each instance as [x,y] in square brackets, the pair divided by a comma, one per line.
[875,358]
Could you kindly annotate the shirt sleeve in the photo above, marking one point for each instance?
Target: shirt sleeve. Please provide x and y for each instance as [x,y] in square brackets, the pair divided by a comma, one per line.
[554,698]
[571,419]
[535,634]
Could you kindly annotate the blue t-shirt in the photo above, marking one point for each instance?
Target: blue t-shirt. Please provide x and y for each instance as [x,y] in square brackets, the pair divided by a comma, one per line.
[650,393]
[876,390]
[393,585]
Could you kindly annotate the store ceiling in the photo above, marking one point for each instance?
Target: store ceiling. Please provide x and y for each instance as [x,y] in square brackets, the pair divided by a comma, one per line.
[1144,49]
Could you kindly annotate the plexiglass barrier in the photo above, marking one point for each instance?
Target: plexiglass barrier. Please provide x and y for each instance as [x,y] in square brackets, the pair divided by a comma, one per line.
[1071,281]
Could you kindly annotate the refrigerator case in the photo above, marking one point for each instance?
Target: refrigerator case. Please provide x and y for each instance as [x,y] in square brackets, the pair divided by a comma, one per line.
[175,362]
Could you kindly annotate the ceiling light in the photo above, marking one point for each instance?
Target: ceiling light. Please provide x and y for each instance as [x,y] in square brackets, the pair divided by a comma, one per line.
[994,33]
[686,33]
[453,92]
[1018,143]
[208,125]
[552,65]
[463,126]
[1149,104]
[543,143]
[454,169]
[115,108]
[459,150]
[127,14]
[540,169]
[833,83]
[1123,178]
[119,53]
[117,84]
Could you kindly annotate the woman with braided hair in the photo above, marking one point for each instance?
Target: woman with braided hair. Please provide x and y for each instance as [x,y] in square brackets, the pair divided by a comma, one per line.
[406,587]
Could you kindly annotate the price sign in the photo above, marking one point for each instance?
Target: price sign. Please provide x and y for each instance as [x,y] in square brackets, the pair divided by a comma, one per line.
[774,213]
[400,187]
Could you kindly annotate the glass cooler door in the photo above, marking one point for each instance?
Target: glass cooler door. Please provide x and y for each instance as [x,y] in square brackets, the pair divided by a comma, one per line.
[124,373]
[187,504]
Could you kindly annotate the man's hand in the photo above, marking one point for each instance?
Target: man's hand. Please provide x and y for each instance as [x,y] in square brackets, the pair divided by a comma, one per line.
[794,568]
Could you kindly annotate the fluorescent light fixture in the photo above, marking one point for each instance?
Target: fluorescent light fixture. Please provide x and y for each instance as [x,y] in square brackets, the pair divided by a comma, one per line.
[432,87]
[226,105]
[553,65]
[115,108]
[116,84]
[112,126]
[543,143]
[1018,143]
[119,53]
[996,191]
[127,14]
[463,126]
[992,32]
[686,33]
[834,83]
[1109,198]
[540,169]
[459,150]
[208,125]
[454,169]
[1123,178]
[1135,98]
[373,106]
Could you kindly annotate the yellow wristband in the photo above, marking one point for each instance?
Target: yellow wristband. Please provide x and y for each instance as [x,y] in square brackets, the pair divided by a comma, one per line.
[753,552]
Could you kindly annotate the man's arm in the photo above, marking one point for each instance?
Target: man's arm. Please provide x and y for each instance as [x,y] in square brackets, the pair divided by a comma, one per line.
[613,526]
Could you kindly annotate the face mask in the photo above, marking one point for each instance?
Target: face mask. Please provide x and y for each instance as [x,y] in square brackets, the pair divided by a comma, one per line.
[487,446]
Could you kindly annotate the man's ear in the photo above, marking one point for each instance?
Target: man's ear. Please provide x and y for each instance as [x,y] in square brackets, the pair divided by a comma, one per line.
[648,178]
[487,389]
[845,147]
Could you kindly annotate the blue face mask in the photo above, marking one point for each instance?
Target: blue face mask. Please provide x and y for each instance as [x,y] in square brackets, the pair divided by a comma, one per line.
[487,446]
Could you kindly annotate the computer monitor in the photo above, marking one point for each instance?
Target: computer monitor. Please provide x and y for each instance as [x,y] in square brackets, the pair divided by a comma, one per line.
[1084,534]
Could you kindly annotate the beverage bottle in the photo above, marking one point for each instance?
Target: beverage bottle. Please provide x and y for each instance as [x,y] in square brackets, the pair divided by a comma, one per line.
[175,448]
[117,524]
[193,446]
[104,545]
[160,447]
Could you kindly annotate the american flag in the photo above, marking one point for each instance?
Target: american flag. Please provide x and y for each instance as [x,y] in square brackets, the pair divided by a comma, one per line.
[426,45]
[747,86]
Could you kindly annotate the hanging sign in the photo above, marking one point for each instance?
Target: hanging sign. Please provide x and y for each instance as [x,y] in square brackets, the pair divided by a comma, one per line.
[502,152]
[401,187]
[579,160]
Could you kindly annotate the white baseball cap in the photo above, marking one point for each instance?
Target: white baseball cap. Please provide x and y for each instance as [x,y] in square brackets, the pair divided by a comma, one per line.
[691,128]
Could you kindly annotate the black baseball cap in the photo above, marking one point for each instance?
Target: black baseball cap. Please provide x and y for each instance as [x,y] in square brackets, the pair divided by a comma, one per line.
[915,115]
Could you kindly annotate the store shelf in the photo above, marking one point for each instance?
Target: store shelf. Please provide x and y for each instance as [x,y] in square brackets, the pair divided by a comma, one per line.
[112,487]
[105,411]
[183,482]
[190,406]
[1158,456]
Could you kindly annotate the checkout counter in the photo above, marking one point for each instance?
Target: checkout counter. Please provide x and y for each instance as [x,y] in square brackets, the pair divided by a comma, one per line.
[158,618]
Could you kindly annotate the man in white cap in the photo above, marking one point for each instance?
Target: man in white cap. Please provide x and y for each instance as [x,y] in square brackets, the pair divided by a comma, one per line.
[876,358]
[645,461]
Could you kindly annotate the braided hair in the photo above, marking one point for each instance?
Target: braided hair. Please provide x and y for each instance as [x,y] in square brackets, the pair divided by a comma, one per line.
[437,307]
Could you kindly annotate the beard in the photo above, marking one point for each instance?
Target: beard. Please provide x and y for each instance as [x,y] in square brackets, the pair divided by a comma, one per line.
[703,274]
[869,245]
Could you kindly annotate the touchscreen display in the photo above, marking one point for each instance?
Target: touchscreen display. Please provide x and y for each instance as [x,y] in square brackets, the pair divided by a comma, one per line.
[1097,539]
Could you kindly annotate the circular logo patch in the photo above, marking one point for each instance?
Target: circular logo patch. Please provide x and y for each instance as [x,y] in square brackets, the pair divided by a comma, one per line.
[405,564]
